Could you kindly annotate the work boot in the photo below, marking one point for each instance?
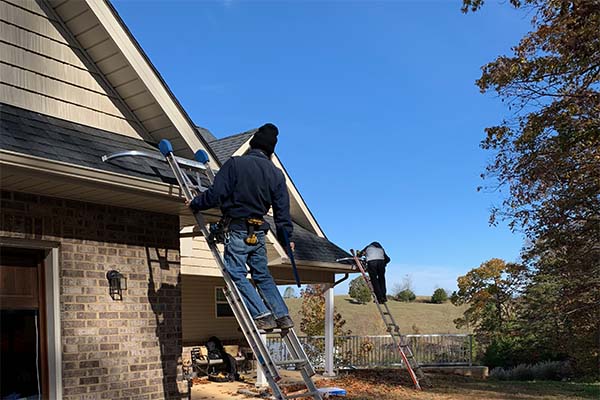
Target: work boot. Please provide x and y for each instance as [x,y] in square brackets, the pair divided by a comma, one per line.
[266,323]
[285,322]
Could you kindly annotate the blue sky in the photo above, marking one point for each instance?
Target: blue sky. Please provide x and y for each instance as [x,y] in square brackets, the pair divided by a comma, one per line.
[379,117]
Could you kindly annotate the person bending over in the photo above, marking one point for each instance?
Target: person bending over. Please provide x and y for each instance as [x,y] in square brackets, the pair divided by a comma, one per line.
[377,259]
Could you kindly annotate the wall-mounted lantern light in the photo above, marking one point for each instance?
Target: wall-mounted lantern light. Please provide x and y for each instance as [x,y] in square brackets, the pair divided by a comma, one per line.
[116,284]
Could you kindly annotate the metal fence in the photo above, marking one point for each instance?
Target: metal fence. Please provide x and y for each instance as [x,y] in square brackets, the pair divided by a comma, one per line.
[378,351]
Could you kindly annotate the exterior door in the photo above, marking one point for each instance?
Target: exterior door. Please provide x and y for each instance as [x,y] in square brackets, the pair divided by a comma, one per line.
[23,355]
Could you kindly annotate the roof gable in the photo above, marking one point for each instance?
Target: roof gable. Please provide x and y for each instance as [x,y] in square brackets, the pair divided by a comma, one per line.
[107,42]
[239,144]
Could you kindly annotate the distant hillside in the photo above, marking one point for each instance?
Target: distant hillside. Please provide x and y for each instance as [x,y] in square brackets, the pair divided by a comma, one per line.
[416,317]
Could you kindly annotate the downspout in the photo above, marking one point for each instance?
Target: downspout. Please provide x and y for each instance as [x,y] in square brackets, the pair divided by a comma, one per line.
[346,275]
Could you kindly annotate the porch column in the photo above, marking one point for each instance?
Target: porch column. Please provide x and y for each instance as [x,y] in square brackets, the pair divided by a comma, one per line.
[329,345]
[261,380]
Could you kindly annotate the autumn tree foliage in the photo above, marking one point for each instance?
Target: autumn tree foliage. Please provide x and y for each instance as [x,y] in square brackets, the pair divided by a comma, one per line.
[312,323]
[312,313]
[547,157]
[490,292]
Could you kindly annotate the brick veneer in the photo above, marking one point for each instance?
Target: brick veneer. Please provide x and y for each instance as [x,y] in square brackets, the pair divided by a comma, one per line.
[126,349]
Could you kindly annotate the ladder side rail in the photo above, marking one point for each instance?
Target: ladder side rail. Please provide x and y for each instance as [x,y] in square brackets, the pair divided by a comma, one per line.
[406,348]
[360,266]
[256,344]
[242,315]
[362,270]
[391,318]
[396,338]
[232,294]
[306,370]
[240,310]
[410,370]
[297,351]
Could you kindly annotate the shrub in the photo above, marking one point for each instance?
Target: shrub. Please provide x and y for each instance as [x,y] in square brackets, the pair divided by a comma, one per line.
[503,351]
[545,370]
[406,295]
[359,290]
[439,296]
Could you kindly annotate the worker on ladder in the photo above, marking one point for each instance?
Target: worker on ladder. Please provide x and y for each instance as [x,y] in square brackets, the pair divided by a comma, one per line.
[377,260]
[245,188]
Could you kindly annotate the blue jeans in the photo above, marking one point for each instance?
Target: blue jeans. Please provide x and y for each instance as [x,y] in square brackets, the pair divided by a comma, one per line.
[237,255]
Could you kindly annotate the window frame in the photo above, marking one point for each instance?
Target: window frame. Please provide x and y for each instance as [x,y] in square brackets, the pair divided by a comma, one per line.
[224,301]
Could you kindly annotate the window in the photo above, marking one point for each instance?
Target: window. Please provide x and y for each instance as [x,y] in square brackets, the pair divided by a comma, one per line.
[222,306]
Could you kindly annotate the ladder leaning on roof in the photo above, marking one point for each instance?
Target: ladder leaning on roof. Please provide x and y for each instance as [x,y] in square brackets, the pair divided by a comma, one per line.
[400,344]
[181,167]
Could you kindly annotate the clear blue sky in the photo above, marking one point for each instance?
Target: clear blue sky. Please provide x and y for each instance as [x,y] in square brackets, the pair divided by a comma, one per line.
[379,117]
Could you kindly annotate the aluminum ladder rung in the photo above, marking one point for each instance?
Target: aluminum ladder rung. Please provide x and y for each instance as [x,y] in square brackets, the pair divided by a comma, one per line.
[297,362]
[271,331]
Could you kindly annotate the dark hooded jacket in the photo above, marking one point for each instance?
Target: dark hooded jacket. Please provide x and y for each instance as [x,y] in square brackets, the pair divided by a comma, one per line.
[247,187]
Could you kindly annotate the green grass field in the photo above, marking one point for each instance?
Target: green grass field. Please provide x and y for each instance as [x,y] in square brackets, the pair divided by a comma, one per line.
[415,317]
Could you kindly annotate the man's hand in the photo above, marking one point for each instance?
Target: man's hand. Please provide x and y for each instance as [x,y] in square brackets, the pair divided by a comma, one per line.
[188,202]
[293,246]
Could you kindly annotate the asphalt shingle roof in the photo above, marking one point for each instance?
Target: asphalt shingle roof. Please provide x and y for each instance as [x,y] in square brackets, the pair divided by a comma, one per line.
[28,132]
[206,134]
[310,247]
[31,133]
[224,148]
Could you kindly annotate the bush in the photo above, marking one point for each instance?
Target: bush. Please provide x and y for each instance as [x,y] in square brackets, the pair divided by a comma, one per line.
[503,351]
[545,370]
[406,295]
[439,296]
[359,290]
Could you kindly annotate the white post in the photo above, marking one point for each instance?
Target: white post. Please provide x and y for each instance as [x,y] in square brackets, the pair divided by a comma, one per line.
[261,380]
[329,345]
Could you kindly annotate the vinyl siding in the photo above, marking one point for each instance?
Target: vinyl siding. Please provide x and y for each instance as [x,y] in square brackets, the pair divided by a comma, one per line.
[42,70]
[199,311]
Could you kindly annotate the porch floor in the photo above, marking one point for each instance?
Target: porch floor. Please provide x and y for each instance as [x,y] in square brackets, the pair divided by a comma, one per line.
[227,390]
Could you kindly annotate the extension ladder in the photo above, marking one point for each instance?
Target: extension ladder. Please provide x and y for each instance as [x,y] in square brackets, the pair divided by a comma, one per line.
[408,358]
[181,168]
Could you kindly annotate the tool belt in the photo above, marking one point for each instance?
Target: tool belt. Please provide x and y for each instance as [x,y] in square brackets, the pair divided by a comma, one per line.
[253,224]
[219,232]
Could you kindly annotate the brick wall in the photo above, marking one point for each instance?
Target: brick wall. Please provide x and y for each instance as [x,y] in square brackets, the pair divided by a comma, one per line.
[126,349]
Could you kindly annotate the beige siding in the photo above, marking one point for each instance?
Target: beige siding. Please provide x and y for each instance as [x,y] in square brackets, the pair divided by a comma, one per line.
[42,70]
[199,311]
[196,257]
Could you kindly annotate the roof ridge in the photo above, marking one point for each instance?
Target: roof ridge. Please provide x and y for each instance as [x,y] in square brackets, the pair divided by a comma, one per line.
[251,131]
